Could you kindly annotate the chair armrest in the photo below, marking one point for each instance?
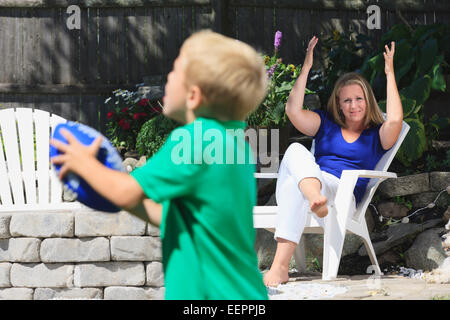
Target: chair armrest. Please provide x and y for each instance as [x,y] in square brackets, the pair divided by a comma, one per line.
[348,180]
[266,175]
[370,174]
[358,173]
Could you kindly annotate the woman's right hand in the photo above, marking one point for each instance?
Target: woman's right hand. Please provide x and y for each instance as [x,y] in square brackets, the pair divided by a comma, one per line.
[305,121]
[310,52]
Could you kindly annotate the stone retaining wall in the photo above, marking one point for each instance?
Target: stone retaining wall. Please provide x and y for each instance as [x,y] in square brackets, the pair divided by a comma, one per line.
[79,255]
[428,184]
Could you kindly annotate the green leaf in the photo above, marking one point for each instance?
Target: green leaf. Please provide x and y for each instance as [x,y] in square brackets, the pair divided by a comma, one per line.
[409,106]
[404,68]
[285,86]
[403,59]
[397,32]
[419,90]
[428,54]
[414,144]
[424,31]
[277,113]
[438,81]
[377,62]
[440,122]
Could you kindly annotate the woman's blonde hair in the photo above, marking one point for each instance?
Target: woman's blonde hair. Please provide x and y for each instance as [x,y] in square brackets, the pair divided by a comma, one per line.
[373,112]
[230,73]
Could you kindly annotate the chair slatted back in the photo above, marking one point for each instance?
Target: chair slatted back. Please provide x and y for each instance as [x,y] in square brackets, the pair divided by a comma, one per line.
[382,165]
[26,175]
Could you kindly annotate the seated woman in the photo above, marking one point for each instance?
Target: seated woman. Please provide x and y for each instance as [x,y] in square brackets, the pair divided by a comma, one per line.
[351,134]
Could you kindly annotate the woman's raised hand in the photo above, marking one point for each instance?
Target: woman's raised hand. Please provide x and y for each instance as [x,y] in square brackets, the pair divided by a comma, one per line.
[310,52]
[389,58]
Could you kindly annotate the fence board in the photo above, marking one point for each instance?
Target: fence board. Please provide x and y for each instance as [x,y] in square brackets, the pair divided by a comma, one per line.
[4,47]
[203,18]
[134,44]
[104,54]
[44,63]
[112,52]
[121,65]
[59,54]
[89,110]
[258,26]
[153,50]
[18,47]
[29,46]
[84,70]
[245,30]
[74,40]
[269,30]
[173,24]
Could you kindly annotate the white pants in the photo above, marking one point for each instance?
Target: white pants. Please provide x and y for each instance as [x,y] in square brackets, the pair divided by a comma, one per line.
[293,207]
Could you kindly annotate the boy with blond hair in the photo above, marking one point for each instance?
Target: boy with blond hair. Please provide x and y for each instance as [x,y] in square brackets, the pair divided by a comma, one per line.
[203,203]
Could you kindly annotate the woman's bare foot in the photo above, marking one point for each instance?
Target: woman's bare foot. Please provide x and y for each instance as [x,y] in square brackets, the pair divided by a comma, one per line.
[276,276]
[318,205]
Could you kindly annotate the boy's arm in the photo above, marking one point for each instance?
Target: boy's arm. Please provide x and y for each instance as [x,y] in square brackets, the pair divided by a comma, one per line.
[118,187]
[121,189]
[149,211]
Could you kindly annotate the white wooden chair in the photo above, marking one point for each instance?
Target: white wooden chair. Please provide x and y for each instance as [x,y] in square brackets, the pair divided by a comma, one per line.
[27,178]
[340,219]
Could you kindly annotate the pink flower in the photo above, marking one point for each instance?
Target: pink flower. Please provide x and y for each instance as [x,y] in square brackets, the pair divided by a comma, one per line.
[143,102]
[124,124]
[139,115]
[109,115]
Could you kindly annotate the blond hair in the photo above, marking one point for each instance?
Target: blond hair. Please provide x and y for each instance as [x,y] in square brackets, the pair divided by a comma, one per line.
[373,112]
[230,73]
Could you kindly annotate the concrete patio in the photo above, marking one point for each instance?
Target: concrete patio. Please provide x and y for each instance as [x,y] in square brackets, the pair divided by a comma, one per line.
[367,287]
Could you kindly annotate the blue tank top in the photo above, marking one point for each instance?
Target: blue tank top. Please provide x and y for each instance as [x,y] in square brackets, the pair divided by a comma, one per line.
[333,154]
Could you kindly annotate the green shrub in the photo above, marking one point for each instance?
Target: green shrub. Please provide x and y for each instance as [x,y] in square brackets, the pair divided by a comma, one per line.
[420,62]
[153,134]
[345,52]
[127,112]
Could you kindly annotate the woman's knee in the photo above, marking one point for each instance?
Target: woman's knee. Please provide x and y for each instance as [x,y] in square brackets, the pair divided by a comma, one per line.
[297,153]
[296,148]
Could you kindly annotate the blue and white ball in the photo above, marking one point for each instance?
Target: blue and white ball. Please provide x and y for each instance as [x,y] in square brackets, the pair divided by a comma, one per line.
[107,155]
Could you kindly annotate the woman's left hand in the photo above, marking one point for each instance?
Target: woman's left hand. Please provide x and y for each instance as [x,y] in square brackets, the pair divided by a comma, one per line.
[389,58]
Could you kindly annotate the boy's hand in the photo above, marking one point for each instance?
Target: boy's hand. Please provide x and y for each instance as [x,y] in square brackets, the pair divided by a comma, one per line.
[389,58]
[75,155]
[310,52]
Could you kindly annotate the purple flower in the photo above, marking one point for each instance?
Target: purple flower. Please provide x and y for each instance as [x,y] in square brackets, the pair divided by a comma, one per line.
[277,42]
[271,71]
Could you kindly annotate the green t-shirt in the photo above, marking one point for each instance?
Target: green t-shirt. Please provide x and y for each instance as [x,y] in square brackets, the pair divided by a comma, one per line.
[203,176]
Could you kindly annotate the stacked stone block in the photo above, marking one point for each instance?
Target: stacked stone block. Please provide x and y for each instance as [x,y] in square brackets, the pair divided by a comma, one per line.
[79,255]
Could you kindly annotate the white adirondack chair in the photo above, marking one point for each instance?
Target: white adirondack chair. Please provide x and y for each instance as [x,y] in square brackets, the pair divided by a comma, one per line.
[27,178]
[340,219]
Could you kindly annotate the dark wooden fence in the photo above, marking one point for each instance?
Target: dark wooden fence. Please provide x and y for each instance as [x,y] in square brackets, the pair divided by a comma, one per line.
[71,72]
